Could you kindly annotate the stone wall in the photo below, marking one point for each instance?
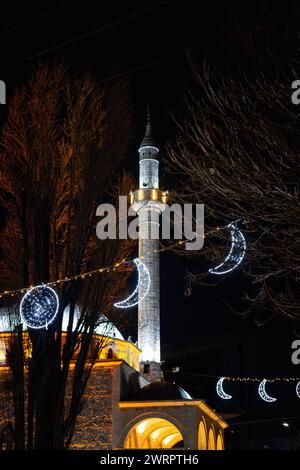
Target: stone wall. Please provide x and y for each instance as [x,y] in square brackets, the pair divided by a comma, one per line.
[94,425]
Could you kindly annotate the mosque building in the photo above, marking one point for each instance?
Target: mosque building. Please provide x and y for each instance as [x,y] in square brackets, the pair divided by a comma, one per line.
[127,403]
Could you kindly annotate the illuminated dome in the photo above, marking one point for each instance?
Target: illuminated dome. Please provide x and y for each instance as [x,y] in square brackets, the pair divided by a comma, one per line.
[9,320]
[160,391]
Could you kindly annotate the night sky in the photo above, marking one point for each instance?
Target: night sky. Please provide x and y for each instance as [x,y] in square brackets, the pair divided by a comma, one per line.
[199,333]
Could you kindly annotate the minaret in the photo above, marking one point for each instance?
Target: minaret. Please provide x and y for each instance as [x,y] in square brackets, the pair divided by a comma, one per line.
[148,202]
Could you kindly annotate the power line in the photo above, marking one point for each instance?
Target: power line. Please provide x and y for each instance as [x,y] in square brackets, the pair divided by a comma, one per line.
[118,22]
[141,67]
[39,17]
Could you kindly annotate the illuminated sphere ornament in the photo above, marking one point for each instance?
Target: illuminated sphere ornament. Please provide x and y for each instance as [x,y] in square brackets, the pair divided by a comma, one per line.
[39,307]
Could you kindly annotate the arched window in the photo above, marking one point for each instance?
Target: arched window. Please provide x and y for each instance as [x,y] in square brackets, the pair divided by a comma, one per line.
[220,444]
[202,441]
[110,353]
[211,440]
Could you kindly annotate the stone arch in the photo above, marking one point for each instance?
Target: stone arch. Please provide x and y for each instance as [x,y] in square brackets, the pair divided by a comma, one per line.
[202,435]
[220,442]
[155,428]
[211,439]
[111,350]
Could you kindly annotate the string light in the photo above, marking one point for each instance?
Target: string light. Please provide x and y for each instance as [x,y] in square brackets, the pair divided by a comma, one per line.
[259,379]
[81,276]
[261,388]
[39,307]
[220,390]
[141,289]
[263,394]
[237,378]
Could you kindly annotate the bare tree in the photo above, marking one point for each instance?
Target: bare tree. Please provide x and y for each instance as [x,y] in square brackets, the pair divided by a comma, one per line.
[237,151]
[61,148]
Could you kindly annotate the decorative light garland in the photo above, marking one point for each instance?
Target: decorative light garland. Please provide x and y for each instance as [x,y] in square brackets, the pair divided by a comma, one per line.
[87,274]
[57,282]
[261,391]
[261,387]
[259,379]
[39,305]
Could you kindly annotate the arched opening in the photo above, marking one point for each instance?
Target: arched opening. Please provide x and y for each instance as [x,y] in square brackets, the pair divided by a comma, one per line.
[211,440]
[110,354]
[202,442]
[220,444]
[153,433]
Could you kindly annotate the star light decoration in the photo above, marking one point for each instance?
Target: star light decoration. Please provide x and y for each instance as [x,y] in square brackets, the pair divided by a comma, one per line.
[39,307]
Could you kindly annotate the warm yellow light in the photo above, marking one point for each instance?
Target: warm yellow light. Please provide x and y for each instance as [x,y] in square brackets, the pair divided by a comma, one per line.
[152,433]
[141,427]
[154,194]
[155,434]
[166,441]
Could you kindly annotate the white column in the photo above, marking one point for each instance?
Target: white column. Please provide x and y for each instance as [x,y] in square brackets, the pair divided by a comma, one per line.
[149,307]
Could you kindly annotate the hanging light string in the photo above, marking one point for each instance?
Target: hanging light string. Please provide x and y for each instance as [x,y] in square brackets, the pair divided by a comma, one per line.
[106,269]
[239,379]
[119,264]
[182,242]
[259,379]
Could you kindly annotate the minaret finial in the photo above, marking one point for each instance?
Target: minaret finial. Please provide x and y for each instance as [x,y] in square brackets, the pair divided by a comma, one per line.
[148,140]
[148,115]
[148,125]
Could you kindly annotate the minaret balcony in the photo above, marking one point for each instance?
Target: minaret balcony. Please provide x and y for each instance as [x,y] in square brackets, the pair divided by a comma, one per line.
[153,196]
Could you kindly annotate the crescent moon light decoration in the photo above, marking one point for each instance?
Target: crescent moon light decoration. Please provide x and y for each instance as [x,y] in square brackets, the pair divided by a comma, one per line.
[39,307]
[220,390]
[298,389]
[263,394]
[236,253]
[141,289]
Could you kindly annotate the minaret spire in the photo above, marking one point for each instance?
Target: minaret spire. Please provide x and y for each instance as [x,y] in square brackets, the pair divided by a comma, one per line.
[148,139]
[148,125]
[149,202]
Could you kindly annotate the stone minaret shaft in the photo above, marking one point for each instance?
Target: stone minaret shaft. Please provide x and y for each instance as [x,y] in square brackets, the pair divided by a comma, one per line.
[149,202]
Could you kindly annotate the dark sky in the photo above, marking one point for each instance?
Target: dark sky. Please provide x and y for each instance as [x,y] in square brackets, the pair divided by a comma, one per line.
[149,40]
